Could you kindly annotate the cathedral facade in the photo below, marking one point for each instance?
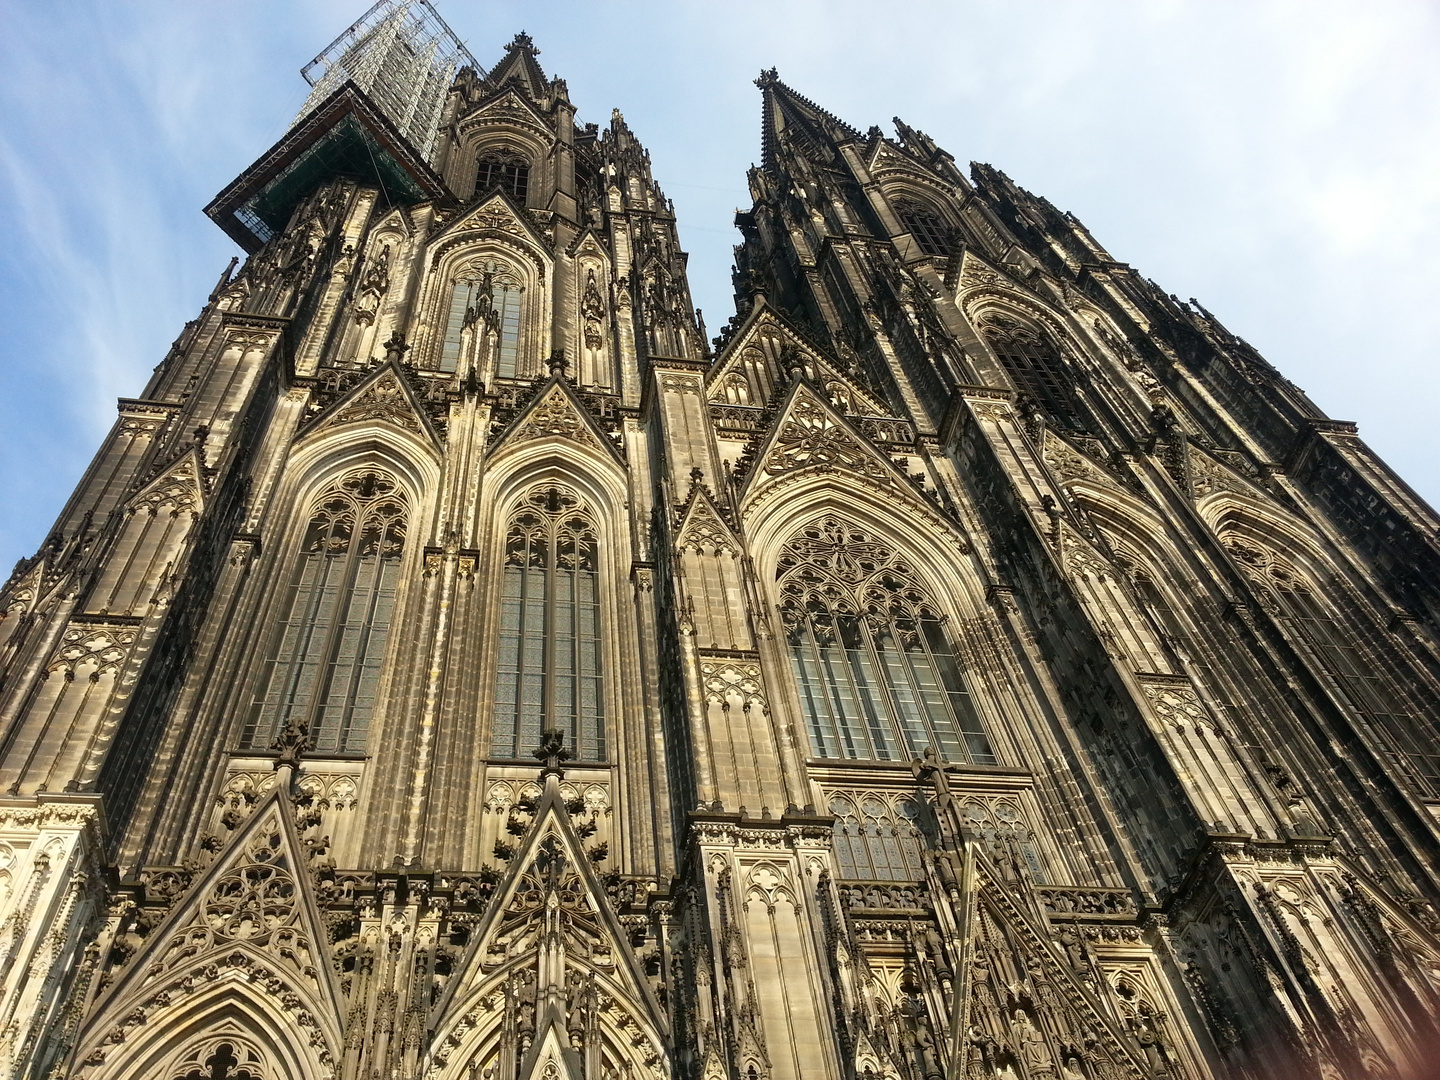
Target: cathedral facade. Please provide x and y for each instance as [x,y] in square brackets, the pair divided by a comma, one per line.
[972,663]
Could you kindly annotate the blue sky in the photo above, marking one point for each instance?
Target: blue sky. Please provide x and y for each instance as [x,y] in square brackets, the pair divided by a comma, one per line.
[1277,160]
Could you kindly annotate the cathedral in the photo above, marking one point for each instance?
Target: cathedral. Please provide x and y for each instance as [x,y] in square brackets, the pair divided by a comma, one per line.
[974,663]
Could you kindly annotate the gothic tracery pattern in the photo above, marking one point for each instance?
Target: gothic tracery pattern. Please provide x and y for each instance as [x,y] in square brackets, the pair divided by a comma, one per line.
[324,666]
[876,674]
[550,674]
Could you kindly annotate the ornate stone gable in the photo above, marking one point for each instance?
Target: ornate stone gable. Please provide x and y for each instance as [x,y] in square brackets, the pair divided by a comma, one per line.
[496,214]
[810,435]
[769,339]
[1209,474]
[552,956]
[249,919]
[703,527]
[557,413]
[384,397]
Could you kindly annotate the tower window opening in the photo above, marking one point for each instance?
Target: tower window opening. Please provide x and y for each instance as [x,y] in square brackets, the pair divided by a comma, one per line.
[508,172]
[486,299]
[1364,685]
[324,666]
[549,675]
[873,665]
[926,226]
[1034,365]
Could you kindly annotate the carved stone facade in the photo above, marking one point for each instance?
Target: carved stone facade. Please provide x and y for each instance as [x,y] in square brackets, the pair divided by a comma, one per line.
[975,663]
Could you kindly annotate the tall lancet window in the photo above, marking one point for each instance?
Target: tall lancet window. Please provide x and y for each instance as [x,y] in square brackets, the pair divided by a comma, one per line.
[874,667]
[1335,647]
[549,674]
[324,664]
[926,226]
[1033,362]
[485,301]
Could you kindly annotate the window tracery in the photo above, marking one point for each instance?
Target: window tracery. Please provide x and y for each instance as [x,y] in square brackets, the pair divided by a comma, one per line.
[876,674]
[737,389]
[549,674]
[486,298]
[927,227]
[324,665]
[876,835]
[226,1058]
[1033,363]
[1294,599]
[506,170]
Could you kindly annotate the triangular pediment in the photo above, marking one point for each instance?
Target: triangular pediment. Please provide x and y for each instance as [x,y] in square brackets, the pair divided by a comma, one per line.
[764,322]
[251,909]
[556,413]
[1070,464]
[495,213]
[1211,474]
[703,527]
[1053,1011]
[551,1057]
[384,396]
[551,911]
[180,485]
[590,240]
[810,435]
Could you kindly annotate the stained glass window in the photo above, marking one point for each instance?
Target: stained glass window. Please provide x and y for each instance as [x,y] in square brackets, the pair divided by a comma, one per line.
[510,173]
[486,299]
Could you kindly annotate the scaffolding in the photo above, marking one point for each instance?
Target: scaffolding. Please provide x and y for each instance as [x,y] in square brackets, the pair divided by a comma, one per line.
[404,57]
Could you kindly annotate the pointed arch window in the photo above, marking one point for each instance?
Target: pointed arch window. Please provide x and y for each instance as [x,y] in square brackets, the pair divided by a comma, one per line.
[324,664]
[927,227]
[1334,648]
[549,674]
[504,170]
[1033,363]
[874,667]
[485,299]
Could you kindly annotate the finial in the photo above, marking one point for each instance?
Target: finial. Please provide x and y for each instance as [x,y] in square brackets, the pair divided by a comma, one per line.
[768,78]
[291,743]
[558,363]
[552,753]
[522,40]
[395,348]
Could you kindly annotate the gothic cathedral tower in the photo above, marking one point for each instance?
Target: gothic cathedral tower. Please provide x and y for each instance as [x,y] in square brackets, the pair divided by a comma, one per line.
[976,664]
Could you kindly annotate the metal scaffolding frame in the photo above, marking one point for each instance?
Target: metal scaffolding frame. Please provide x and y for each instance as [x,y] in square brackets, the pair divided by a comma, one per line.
[404,56]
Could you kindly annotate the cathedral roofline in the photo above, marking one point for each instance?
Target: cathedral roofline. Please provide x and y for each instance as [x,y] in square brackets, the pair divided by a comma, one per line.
[345,133]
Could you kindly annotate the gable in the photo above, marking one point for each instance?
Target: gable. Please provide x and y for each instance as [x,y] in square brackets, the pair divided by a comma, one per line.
[385,397]
[556,413]
[769,334]
[252,909]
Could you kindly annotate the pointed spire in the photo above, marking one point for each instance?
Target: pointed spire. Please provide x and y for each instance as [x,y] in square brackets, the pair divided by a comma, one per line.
[519,64]
[786,112]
